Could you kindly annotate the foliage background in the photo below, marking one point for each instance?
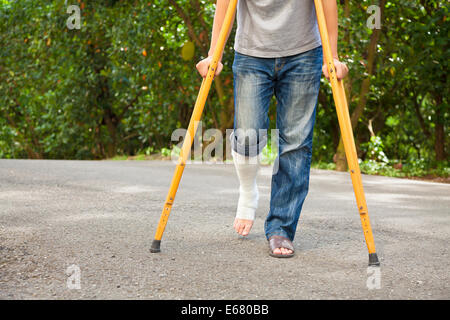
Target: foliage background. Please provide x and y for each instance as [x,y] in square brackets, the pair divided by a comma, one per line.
[122,83]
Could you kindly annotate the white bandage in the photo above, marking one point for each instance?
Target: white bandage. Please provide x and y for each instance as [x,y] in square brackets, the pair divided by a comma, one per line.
[247,171]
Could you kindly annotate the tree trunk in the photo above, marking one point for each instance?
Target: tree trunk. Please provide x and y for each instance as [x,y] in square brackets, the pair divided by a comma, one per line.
[439,132]
[340,159]
[111,125]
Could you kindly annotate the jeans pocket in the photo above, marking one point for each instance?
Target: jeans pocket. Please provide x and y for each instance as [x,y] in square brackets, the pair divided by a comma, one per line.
[237,61]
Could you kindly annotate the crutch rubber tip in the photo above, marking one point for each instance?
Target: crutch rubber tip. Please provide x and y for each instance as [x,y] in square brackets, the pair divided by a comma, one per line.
[373,260]
[156,246]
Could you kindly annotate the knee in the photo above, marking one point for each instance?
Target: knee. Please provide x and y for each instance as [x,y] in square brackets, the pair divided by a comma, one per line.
[248,142]
[303,146]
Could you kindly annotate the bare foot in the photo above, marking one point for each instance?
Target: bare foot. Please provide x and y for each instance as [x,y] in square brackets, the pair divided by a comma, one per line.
[242,226]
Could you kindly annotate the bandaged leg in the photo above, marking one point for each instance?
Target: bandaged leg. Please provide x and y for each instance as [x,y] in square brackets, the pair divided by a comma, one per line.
[247,171]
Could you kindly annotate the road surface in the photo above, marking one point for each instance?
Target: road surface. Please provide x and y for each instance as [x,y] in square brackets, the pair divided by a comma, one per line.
[83,229]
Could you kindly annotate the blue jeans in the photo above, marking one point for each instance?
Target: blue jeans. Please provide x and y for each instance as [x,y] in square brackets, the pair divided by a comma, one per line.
[295,82]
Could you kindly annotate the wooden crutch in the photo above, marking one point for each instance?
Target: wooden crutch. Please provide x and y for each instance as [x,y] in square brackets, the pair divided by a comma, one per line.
[345,125]
[193,124]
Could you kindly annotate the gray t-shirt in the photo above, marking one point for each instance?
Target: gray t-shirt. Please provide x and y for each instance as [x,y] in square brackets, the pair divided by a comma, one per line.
[276,28]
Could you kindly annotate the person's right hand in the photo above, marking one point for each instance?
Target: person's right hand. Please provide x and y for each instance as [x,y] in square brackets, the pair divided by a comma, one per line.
[203,67]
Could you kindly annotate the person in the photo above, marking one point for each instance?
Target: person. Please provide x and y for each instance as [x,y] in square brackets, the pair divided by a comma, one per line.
[277,52]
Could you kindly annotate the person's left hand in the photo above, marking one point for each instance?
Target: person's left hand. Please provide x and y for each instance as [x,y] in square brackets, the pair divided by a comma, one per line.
[341,69]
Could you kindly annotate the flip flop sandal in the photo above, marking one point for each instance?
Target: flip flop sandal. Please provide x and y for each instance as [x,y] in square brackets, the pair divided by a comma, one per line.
[280,242]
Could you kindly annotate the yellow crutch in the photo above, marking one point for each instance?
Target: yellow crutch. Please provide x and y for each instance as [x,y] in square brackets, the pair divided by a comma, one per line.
[343,117]
[193,124]
[340,101]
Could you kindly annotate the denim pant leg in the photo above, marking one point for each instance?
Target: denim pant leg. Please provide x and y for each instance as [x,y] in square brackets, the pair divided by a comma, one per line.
[296,90]
[253,90]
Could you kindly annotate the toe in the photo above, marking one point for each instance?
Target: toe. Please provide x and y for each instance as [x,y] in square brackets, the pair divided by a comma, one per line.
[247,228]
[277,251]
[241,227]
[237,226]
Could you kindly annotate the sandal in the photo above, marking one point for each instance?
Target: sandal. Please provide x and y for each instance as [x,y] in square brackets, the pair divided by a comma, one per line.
[280,242]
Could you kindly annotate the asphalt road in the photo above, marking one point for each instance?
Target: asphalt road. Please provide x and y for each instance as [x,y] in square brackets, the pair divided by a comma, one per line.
[100,217]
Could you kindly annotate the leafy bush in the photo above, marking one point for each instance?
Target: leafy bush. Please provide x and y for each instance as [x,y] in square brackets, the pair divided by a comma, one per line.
[124,81]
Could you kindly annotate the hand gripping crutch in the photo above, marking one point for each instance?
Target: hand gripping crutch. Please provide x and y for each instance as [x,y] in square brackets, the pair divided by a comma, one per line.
[193,124]
[340,101]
